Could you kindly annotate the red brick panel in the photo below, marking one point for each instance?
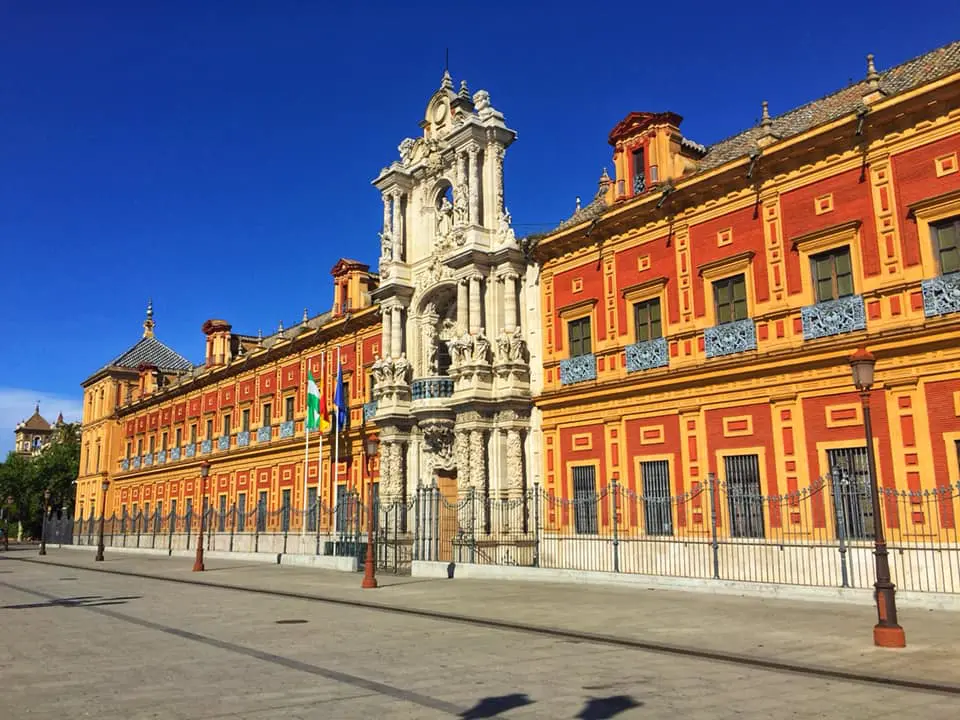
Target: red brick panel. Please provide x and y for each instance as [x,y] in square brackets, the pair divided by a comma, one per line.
[153,420]
[851,201]
[747,235]
[268,382]
[659,260]
[193,407]
[290,376]
[589,280]
[915,178]
[247,390]
[131,427]
[142,424]
[210,401]
[288,474]
[942,411]
[165,416]
[371,348]
[227,396]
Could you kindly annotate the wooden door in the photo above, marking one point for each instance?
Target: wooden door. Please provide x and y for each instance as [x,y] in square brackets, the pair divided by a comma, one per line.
[447,509]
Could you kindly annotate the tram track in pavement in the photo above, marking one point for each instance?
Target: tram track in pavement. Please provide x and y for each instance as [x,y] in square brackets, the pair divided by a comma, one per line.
[739,659]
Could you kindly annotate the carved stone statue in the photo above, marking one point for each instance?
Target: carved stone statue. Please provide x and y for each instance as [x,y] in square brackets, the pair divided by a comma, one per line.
[460,210]
[401,370]
[386,245]
[481,100]
[460,349]
[481,348]
[503,348]
[517,346]
[406,148]
[382,373]
[444,219]
[504,230]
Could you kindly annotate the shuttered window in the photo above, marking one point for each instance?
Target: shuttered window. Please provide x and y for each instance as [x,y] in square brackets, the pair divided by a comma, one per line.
[579,334]
[730,299]
[832,274]
[646,319]
[946,243]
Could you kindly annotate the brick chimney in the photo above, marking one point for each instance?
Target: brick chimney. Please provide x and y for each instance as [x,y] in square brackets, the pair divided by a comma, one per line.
[219,346]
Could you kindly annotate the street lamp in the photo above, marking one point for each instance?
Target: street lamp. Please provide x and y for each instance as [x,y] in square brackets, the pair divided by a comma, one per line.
[43,528]
[204,472]
[887,632]
[103,513]
[371,443]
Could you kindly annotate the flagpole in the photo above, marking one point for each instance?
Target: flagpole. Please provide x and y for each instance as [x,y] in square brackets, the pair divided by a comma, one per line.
[336,434]
[306,454]
[323,394]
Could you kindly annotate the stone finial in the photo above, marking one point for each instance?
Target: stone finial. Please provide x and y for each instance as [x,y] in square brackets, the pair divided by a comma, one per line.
[873,77]
[280,329]
[446,83]
[578,203]
[765,122]
[259,337]
[305,318]
[605,182]
[464,92]
[148,322]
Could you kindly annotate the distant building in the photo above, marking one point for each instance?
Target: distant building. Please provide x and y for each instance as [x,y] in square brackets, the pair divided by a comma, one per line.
[35,433]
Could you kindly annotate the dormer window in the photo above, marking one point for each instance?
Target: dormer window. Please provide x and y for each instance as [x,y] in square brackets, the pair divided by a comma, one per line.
[639,172]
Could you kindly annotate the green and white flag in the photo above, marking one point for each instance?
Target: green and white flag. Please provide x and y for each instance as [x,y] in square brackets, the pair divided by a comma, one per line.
[313,402]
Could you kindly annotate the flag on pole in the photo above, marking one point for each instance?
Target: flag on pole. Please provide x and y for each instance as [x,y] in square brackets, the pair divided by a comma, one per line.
[339,402]
[313,403]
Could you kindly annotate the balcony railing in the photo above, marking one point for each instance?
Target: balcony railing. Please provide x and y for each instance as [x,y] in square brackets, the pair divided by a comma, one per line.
[941,295]
[578,369]
[136,463]
[125,464]
[730,338]
[264,434]
[148,459]
[243,438]
[175,453]
[223,443]
[431,388]
[833,317]
[647,355]
[206,447]
[162,456]
[191,450]
[369,410]
[286,429]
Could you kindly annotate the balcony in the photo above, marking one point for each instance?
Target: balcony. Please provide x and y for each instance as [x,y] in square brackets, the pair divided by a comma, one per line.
[206,447]
[136,463]
[223,443]
[125,464]
[191,450]
[833,317]
[941,295]
[369,410]
[162,456]
[578,369]
[647,355]
[286,429]
[264,434]
[730,338]
[148,460]
[175,454]
[434,388]
[243,438]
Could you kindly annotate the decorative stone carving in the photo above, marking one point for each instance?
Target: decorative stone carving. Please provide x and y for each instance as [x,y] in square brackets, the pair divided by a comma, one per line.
[386,245]
[439,439]
[511,347]
[461,454]
[941,295]
[505,232]
[431,275]
[477,459]
[481,100]
[578,369]
[461,349]
[514,463]
[406,150]
[647,355]
[382,374]
[481,349]
[444,221]
[401,370]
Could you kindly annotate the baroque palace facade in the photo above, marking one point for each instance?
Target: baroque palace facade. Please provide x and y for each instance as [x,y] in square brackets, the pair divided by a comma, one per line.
[694,320]
[699,314]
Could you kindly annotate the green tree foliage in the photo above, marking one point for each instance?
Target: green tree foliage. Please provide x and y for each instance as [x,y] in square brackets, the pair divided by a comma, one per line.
[23,479]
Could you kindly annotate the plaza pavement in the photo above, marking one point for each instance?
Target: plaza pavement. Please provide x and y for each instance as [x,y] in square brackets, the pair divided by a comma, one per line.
[136,644]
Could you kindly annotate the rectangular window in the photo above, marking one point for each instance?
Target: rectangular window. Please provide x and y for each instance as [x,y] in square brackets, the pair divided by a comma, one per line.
[179,437]
[226,424]
[730,298]
[288,408]
[135,520]
[646,319]
[585,500]
[311,509]
[222,519]
[946,243]
[98,457]
[639,172]
[579,333]
[245,420]
[285,510]
[242,512]
[189,514]
[262,511]
[346,400]
[210,429]
[832,274]
[193,434]
[173,514]
[152,442]
[267,416]
[341,509]
[157,519]
[163,441]
[146,516]
[139,447]
[128,449]
[657,511]
[743,495]
[850,485]
[372,381]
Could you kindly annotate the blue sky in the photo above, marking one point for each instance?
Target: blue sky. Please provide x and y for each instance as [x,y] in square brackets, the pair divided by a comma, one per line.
[217,155]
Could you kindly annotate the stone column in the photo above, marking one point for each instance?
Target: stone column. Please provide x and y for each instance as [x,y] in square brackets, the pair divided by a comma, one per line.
[387,332]
[461,454]
[478,461]
[397,226]
[514,464]
[463,308]
[386,479]
[475,185]
[495,152]
[476,320]
[510,302]
[460,191]
[387,225]
[396,327]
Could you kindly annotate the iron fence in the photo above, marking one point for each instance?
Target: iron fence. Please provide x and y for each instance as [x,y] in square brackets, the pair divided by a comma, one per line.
[820,535]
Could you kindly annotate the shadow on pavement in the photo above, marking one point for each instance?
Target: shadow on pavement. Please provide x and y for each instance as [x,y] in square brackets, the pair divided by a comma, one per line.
[492,706]
[80,601]
[607,707]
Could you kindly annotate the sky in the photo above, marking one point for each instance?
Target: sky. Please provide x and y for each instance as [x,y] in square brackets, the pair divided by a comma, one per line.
[216,155]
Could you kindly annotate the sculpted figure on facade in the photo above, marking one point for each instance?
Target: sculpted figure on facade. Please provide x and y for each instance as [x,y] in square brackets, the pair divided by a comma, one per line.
[481,349]
[505,230]
[386,245]
[406,150]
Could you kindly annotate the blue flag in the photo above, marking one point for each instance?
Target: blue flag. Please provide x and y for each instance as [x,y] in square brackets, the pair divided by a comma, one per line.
[339,402]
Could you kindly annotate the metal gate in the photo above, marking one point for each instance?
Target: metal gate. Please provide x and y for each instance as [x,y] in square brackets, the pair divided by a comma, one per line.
[743,496]
[585,500]
[850,475]
[657,513]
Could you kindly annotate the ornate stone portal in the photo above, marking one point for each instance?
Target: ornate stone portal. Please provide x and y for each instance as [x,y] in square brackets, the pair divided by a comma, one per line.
[453,381]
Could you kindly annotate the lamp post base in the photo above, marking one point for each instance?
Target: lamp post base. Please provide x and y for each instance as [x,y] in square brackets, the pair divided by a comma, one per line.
[198,565]
[369,573]
[889,636]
